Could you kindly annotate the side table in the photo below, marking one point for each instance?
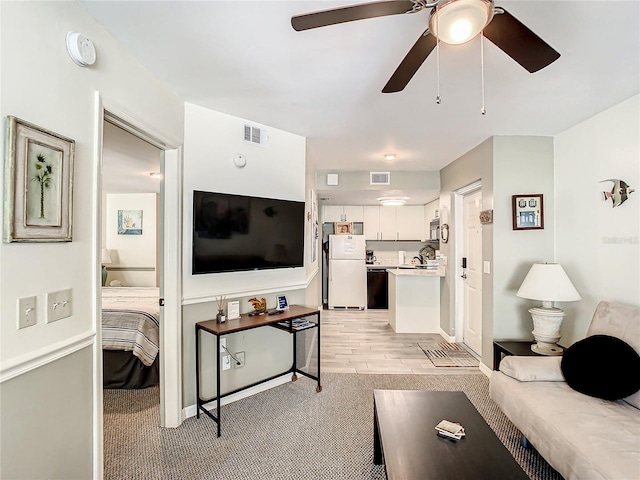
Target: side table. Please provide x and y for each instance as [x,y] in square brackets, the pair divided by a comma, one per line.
[519,348]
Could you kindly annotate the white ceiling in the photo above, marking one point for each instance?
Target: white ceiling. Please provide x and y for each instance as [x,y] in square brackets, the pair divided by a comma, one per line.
[244,58]
[127,163]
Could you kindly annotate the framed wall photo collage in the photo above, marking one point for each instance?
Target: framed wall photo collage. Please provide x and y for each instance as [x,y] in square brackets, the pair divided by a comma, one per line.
[528,212]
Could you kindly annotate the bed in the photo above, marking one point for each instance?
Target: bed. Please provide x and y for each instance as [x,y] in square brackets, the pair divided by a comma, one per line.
[130,337]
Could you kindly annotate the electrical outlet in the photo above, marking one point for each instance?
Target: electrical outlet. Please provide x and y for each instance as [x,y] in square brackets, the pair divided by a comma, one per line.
[27,314]
[223,345]
[240,357]
[226,364]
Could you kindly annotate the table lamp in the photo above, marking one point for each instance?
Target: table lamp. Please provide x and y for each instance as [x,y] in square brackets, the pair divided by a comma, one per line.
[106,260]
[548,283]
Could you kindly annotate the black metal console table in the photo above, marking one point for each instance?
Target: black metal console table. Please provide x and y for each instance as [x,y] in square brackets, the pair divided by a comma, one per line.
[282,321]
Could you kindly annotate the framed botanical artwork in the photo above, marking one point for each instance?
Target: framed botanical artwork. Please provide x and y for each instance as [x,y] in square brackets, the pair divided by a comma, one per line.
[528,212]
[129,222]
[342,228]
[38,188]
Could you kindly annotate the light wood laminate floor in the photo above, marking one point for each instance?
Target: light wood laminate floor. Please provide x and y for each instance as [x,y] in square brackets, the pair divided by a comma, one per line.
[362,341]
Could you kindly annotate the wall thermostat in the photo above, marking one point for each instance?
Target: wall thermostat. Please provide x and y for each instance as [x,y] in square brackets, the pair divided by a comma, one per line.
[239,160]
[81,49]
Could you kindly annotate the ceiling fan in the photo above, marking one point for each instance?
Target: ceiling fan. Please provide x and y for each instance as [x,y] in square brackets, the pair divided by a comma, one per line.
[450,21]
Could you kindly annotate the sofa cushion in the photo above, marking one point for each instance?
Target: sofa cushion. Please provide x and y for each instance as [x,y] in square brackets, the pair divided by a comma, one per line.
[621,321]
[532,369]
[600,366]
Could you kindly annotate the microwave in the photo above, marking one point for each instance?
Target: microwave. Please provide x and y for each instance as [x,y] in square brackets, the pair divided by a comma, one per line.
[434,230]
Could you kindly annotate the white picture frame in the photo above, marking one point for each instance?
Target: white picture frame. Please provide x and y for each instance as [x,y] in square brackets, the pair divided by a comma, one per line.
[233,310]
[282,303]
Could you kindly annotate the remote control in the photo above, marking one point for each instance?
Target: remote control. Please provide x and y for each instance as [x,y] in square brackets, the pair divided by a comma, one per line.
[275,312]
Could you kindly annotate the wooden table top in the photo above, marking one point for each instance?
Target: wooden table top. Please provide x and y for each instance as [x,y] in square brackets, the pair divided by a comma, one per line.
[245,322]
[412,449]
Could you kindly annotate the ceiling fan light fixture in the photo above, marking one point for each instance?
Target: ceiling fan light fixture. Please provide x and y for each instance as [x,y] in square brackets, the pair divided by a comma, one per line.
[458,21]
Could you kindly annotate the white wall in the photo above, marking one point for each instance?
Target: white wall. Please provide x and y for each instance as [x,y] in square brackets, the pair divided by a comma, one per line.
[133,256]
[42,85]
[596,244]
[276,171]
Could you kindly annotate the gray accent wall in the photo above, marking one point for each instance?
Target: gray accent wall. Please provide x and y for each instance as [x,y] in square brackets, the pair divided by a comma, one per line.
[46,421]
[506,165]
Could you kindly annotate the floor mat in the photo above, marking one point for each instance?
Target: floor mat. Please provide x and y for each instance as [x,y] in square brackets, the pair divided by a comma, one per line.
[449,355]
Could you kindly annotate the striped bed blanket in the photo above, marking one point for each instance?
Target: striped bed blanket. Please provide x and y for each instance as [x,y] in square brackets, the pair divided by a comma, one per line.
[130,321]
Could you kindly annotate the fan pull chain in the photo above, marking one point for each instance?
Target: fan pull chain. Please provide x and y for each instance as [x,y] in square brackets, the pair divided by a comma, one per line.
[438,99]
[483,111]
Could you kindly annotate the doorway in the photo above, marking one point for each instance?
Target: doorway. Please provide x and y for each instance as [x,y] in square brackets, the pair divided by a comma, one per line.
[468,202]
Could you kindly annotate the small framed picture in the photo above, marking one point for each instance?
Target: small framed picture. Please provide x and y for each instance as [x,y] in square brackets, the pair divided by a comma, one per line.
[282,302]
[528,213]
[233,310]
[342,228]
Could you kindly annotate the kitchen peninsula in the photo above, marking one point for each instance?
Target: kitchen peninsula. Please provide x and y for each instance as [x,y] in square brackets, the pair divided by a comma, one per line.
[414,300]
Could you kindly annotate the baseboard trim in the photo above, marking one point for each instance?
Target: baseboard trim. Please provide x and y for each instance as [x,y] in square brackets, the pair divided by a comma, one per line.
[32,360]
[447,338]
[486,370]
[190,411]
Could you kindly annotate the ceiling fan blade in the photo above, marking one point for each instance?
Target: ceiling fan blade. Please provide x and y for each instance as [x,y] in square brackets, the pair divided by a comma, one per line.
[349,14]
[519,42]
[411,63]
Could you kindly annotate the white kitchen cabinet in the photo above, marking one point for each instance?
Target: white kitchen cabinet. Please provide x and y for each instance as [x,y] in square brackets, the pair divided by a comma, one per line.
[371,221]
[354,213]
[388,230]
[343,213]
[410,222]
[332,213]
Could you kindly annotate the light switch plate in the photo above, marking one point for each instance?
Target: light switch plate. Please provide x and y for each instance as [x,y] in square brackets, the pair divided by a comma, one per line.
[486,267]
[27,313]
[59,305]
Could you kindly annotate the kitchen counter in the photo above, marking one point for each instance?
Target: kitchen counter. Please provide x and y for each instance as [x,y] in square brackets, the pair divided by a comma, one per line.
[417,272]
[414,300]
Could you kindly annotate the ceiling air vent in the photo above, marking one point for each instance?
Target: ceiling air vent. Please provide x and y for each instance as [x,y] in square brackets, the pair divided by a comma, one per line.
[256,136]
[380,178]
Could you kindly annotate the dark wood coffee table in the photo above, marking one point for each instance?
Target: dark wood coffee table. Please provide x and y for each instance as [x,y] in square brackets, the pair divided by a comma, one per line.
[405,439]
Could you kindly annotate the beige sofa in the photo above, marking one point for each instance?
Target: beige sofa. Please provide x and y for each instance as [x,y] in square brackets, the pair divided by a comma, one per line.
[582,437]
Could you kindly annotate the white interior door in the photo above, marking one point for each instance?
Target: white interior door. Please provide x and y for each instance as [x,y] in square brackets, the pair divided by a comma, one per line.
[472,274]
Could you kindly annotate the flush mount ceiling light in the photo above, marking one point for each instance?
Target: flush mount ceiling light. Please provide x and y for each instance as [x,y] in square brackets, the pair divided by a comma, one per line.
[156,175]
[392,201]
[389,156]
[458,21]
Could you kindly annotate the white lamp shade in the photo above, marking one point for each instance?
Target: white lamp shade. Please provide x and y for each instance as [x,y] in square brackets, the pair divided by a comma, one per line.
[548,282]
[106,257]
[459,21]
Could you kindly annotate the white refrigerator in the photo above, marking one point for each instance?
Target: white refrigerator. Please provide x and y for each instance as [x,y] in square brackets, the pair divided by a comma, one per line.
[347,272]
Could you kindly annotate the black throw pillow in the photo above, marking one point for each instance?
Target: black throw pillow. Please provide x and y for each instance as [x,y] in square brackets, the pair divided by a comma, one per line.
[602,366]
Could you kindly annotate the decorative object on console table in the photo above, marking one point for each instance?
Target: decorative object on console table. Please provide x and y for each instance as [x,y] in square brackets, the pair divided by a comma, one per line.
[106,260]
[259,306]
[42,159]
[282,302]
[220,318]
[233,310]
[547,282]
[528,212]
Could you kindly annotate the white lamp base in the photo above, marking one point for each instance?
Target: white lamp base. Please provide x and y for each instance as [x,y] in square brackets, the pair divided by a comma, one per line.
[546,330]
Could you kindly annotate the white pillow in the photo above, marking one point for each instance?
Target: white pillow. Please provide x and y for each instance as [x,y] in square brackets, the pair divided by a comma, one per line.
[532,369]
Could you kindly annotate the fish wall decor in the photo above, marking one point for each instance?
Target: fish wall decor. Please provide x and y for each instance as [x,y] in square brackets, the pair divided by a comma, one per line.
[619,193]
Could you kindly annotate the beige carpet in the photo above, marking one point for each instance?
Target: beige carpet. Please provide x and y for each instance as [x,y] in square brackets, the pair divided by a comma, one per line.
[286,433]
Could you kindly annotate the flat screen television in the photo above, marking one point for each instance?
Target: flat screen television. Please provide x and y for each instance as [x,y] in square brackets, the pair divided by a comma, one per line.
[234,233]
